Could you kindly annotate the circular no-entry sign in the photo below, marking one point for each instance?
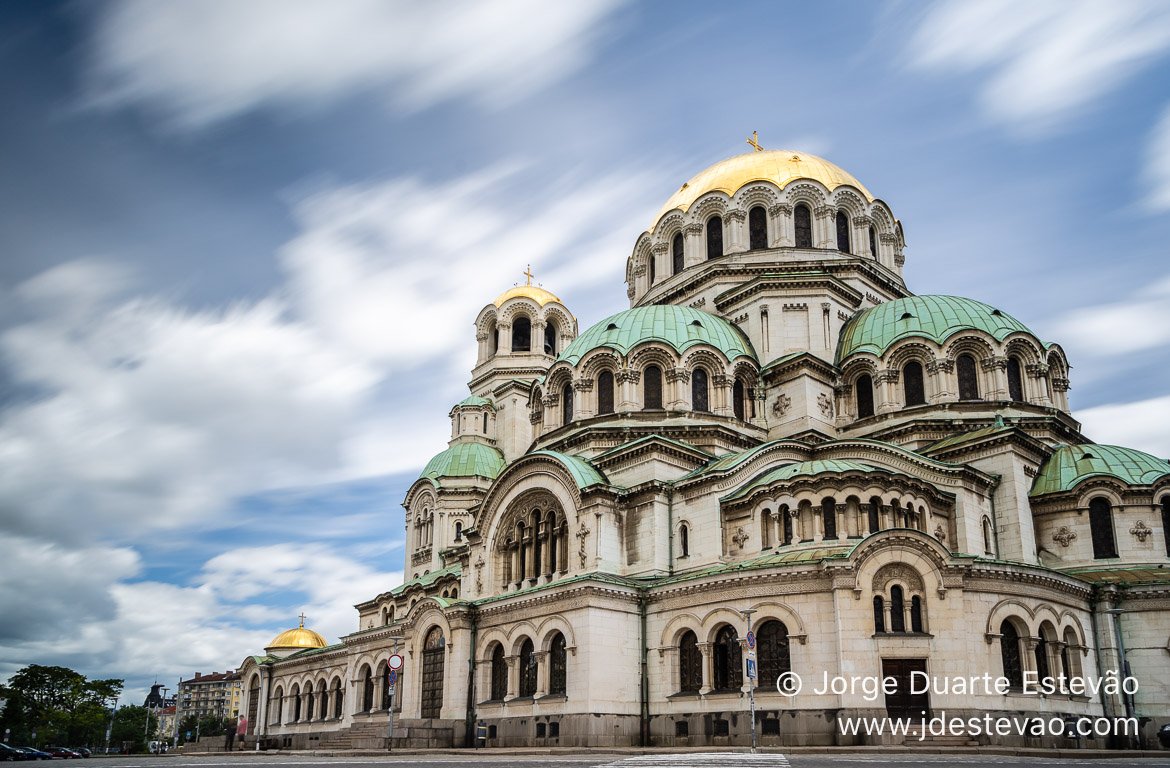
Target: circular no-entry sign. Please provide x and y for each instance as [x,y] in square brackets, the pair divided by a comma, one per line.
[395,662]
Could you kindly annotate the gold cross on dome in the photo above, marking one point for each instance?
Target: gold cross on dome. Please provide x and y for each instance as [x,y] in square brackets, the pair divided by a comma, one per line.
[755,141]
[303,617]
[528,273]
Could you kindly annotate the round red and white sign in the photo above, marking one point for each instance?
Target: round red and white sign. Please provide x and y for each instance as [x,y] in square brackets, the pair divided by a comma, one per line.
[395,662]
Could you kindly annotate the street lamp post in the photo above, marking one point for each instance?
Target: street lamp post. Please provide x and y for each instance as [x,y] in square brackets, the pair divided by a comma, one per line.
[1123,663]
[749,643]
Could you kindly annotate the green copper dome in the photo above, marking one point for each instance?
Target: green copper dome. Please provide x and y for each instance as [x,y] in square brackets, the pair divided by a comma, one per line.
[680,327]
[1072,464]
[465,460]
[933,317]
[475,400]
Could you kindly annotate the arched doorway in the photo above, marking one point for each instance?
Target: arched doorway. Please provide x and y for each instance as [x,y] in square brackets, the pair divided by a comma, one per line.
[432,676]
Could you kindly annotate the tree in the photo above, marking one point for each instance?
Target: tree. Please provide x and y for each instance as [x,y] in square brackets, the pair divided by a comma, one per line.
[131,726]
[57,704]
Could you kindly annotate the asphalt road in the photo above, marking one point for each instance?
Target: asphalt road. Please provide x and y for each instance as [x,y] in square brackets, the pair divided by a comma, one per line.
[602,760]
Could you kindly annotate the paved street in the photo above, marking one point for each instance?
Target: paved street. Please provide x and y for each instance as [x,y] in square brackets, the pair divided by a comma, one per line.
[670,760]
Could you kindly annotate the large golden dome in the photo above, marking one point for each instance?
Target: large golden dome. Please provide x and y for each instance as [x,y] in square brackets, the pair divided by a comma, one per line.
[779,166]
[298,638]
[534,292]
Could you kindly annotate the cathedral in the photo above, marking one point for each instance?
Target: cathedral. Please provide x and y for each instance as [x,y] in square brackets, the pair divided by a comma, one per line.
[777,467]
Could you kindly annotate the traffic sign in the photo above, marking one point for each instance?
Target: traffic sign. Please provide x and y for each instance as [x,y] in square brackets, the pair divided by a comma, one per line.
[751,669]
[395,662]
[751,640]
[393,678]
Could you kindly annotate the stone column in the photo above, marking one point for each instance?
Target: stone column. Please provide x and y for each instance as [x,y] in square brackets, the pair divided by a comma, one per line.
[995,375]
[781,226]
[721,385]
[504,340]
[797,525]
[694,252]
[942,380]
[861,225]
[513,663]
[818,523]
[677,396]
[1037,389]
[540,658]
[734,232]
[707,650]
[842,523]
[659,272]
[824,227]
[583,401]
[884,384]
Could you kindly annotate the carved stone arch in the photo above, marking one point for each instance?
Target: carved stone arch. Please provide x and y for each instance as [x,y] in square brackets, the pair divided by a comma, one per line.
[520,306]
[668,226]
[602,359]
[1101,486]
[757,193]
[715,619]
[857,365]
[975,343]
[919,550]
[486,319]
[1025,347]
[772,610]
[1045,614]
[520,631]
[561,318]
[883,219]
[1057,363]
[653,353]
[918,350]
[711,204]
[674,629]
[1069,620]
[846,198]
[1016,610]
[521,508]
[639,261]
[550,627]
[704,357]
[489,638]
[558,376]
[747,369]
[808,192]
[897,573]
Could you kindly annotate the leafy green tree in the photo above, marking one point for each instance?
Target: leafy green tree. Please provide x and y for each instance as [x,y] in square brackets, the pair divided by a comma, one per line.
[132,724]
[58,705]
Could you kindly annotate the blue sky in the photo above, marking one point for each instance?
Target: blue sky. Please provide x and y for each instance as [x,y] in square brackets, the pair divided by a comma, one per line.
[243,244]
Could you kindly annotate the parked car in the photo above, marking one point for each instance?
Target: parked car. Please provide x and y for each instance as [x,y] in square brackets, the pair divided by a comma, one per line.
[11,754]
[83,751]
[60,753]
[1163,733]
[35,754]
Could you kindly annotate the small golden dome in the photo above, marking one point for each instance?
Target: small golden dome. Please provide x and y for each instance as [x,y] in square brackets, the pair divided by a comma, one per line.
[534,292]
[779,166]
[298,637]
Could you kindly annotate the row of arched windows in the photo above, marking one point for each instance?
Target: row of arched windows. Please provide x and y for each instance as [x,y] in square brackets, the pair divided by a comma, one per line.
[891,615]
[783,529]
[528,670]
[522,336]
[742,403]
[726,670]
[914,387]
[1050,657]
[539,548]
[758,235]
[307,704]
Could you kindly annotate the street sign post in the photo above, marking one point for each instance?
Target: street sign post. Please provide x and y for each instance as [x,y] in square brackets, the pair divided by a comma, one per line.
[393,664]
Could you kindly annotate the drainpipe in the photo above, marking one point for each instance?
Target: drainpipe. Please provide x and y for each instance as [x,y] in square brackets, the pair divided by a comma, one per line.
[1094,601]
[995,517]
[644,688]
[469,738]
[670,528]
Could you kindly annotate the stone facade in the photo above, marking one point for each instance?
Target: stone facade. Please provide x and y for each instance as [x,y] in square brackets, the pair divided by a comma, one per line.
[776,437]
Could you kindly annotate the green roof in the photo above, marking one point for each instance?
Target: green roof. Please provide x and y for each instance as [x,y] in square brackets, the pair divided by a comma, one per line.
[465,460]
[1134,575]
[428,579]
[474,400]
[933,317]
[799,469]
[777,557]
[966,437]
[1072,464]
[584,474]
[680,327]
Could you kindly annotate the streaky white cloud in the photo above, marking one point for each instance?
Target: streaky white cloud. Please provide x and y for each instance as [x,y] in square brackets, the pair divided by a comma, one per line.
[1140,322]
[1044,60]
[1158,164]
[1140,424]
[199,63]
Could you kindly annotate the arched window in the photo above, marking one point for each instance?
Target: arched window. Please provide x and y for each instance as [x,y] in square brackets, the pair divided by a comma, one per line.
[987,548]
[558,665]
[432,673]
[1071,658]
[493,340]
[338,699]
[843,232]
[605,392]
[875,514]
[367,690]
[521,334]
[1009,648]
[537,542]
[1015,380]
[499,674]
[527,669]
[772,649]
[879,614]
[802,219]
[652,388]
[653,268]
[523,544]
[1166,521]
[829,518]
[786,522]
[739,399]
[699,399]
[916,614]
[309,701]
[550,338]
[728,664]
[1043,670]
[897,609]
[676,253]
[684,540]
[757,228]
[1101,528]
[873,251]
[912,385]
[714,237]
[296,697]
[553,541]
[385,686]
[484,430]
[968,379]
[277,706]
[567,404]
[690,663]
[765,529]
[864,387]
[458,531]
